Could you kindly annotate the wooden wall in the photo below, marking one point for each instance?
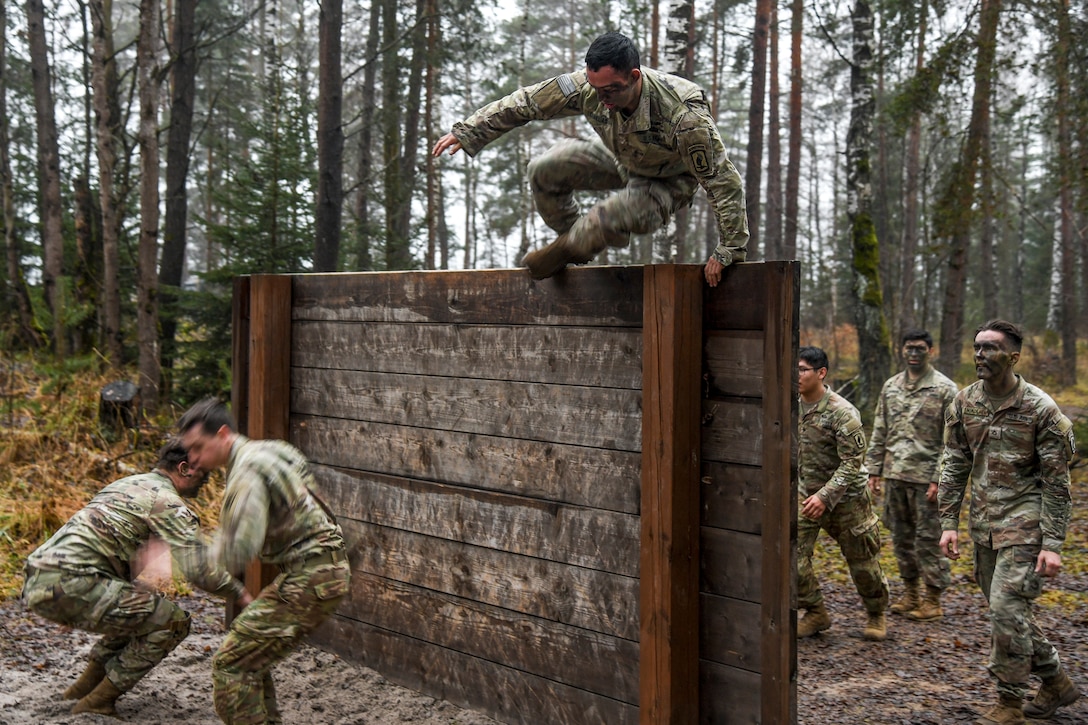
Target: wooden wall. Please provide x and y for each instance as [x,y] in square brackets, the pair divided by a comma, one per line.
[481,438]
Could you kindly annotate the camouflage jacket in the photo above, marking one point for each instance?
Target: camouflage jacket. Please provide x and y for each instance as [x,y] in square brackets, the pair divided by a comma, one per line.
[670,133]
[103,537]
[908,432]
[1017,459]
[831,451]
[268,507]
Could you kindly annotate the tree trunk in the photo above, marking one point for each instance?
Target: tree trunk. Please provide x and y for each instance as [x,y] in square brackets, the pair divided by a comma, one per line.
[147,314]
[412,120]
[874,351]
[330,138]
[1066,180]
[953,213]
[773,235]
[679,59]
[754,159]
[19,297]
[108,131]
[793,168]
[175,238]
[363,254]
[397,251]
[48,174]
[909,246]
[433,29]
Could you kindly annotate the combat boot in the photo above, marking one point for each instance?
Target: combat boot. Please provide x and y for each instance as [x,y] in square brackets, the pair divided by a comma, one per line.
[909,600]
[1056,692]
[1007,711]
[91,676]
[929,610]
[100,700]
[548,261]
[876,629]
[816,619]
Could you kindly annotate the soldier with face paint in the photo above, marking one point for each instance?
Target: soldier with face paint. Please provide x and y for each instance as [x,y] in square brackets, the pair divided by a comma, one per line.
[904,450]
[1012,442]
[658,143]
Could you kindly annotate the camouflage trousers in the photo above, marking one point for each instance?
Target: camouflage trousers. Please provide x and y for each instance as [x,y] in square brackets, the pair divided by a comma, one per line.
[916,533]
[1018,647]
[640,205]
[139,627]
[267,630]
[854,526]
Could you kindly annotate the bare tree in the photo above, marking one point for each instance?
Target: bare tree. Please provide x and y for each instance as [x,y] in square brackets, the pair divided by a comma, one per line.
[330,138]
[773,236]
[148,59]
[48,173]
[754,158]
[1063,46]
[793,165]
[909,246]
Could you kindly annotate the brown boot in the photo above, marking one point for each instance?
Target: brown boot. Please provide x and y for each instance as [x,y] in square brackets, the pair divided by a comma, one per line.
[876,629]
[548,261]
[91,676]
[816,619]
[909,600]
[99,700]
[1056,692]
[929,610]
[1006,712]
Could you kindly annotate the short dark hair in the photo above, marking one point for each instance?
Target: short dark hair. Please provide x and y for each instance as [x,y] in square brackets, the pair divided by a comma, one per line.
[172,453]
[210,414]
[614,49]
[1011,331]
[916,334]
[814,356]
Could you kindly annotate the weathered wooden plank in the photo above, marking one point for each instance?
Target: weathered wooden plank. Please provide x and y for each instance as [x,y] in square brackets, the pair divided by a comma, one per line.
[587,660]
[504,693]
[778,569]
[739,300]
[730,564]
[593,356]
[730,696]
[732,432]
[594,477]
[729,632]
[599,601]
[591,538]
[731,497]
[573,414]
[669,591]
[593,296]
[734,363]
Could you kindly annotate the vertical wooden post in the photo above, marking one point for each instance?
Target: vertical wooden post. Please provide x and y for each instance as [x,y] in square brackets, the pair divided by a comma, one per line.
[267,378]
[669,566]
[778,686]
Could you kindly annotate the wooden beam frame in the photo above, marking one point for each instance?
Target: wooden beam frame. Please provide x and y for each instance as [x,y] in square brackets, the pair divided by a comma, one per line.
[669,564]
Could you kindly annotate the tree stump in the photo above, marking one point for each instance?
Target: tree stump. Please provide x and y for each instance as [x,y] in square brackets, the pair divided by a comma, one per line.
[117,405]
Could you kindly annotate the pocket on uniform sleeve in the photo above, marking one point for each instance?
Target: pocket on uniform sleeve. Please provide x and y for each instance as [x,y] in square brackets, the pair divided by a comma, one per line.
[331,590]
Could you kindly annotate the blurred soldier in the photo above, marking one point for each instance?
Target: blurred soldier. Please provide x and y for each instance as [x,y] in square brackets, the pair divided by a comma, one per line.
[834,497]
[270,512]
[904,450]
[1011,441]
[82,577]
[658,143]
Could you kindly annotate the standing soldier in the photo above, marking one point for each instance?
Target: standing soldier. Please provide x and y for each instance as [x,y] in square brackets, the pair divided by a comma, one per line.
[1011,441]
[269,511]
[834,497]
[658,143]
[83,576]
[904,450]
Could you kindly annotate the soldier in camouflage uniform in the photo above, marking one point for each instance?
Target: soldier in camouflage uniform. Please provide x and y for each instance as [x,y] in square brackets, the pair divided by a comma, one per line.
[658,143]
[269,512]
[1014,444]
[904,450]
[82,577]
[834,497]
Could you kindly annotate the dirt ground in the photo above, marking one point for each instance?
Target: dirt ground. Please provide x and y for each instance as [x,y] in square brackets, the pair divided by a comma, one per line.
[924,674]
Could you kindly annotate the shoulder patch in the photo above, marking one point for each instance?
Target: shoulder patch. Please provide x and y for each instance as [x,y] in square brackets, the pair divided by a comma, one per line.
[566,84]
[700,159]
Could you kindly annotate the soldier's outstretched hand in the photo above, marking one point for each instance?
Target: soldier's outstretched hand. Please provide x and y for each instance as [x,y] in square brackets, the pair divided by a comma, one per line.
[449,141]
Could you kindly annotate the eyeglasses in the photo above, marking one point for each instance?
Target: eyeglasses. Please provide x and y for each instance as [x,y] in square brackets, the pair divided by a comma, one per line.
[802,370]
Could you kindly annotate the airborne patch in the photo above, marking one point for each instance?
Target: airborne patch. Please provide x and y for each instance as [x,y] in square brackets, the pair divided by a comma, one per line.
[700,159]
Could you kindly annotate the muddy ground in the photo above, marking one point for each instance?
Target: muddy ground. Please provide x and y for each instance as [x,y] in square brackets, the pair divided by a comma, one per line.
[924,674]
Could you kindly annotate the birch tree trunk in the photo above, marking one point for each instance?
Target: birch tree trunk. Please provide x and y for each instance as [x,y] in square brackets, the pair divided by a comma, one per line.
[48,174]
[874,351]
[148,58]
[330,138]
